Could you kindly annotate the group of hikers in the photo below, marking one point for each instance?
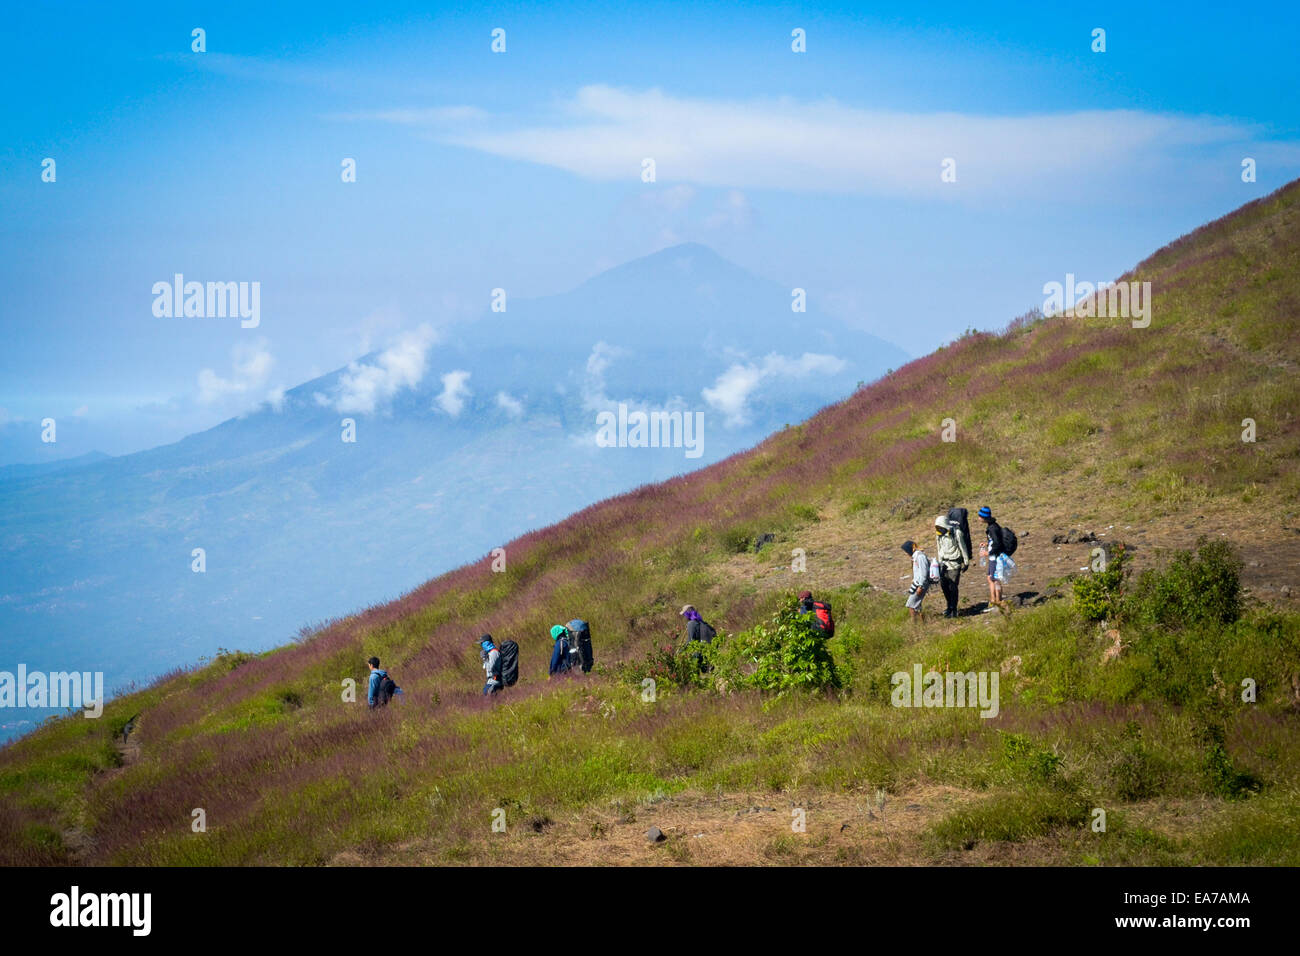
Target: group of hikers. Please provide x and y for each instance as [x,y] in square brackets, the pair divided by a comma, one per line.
[953,556]
[571,648]
[571,651]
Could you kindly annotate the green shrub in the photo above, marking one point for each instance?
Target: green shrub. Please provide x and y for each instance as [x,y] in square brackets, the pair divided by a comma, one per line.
[1223,778]
[1026,760]
[737,540]
[1200,588]
[667,667]
[1010,818]
[1099,595]
[786,654]
[804,513]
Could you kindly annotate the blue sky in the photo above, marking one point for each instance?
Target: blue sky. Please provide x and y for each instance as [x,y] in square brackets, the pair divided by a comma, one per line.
[521,170]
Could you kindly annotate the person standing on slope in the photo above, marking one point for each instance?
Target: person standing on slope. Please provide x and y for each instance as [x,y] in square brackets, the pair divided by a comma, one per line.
[697,630]
[822,618]
[491,656]
[560,656]
[952,562]
[381,688]
[920,580]
[993,549]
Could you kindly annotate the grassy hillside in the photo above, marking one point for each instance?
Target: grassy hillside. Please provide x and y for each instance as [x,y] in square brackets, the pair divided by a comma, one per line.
[1063,425]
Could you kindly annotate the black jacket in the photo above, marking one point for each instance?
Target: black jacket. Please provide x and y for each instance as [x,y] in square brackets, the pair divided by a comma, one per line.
[995,539]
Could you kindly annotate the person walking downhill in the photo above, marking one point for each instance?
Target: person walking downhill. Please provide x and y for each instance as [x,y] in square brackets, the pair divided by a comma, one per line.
[952,562]
[491,656]
[698,630]
[992,549]
[920,580]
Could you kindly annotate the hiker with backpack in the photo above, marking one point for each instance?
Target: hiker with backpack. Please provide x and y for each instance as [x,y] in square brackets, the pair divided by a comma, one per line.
[561,651]
[580,653]
[698,630]
[821,611]
[490,654]
[381,687]
[953,560]
[920,580]
[1002,543]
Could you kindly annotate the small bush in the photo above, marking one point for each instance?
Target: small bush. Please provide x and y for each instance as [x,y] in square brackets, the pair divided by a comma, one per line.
[667,667]
[804,513]
[1025,760]
[1200,588]
[737,540]
[1010,818]
[1099,595]
[786,654]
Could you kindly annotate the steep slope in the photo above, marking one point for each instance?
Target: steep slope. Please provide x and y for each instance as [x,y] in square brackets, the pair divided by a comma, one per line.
[1066,423]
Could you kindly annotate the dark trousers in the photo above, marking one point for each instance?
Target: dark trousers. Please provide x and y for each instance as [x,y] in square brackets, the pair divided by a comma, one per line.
[949,579]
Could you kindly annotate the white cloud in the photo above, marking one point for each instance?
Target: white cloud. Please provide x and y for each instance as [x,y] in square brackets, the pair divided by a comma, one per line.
[275,398]
[364,387]
[733,389]
[510,405]
[454,392]
[604,133]
[250,364]
[593,384]
[732,210]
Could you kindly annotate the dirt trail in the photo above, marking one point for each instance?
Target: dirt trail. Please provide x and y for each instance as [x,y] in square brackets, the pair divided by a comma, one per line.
[845,549]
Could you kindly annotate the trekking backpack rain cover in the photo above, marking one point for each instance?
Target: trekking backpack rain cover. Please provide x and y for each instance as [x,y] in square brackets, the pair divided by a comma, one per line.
[824,620]
[957,518]
[508,663]
[580,636]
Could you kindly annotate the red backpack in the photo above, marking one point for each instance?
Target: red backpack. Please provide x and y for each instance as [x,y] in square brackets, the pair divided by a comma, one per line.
[823,621]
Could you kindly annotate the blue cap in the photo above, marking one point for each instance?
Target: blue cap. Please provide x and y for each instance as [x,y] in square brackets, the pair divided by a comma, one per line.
[986,512]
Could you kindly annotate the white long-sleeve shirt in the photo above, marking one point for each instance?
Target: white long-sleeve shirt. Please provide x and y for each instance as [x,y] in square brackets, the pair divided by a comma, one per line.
[920,569]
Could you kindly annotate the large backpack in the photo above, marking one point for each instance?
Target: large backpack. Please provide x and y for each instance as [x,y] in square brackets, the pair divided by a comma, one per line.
[707,633]
[958,521]
[580,644]
[508,663]
[384,693]
[824,621]
[1009,541]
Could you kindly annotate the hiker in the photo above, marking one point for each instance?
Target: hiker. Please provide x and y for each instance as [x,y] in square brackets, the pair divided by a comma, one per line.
[381,688]
[920,580]
[561,656]
[952,561]
[821,611]
[491,657]
[992,549]
[697,630]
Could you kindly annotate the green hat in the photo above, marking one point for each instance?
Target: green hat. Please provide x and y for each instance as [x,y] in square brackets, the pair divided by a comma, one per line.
[558,631]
